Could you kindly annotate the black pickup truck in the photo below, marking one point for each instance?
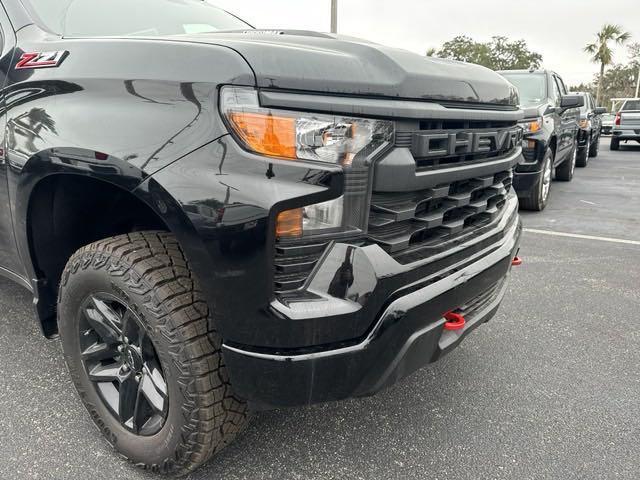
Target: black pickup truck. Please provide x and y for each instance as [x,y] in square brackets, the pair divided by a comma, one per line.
[216,219]
[551,128]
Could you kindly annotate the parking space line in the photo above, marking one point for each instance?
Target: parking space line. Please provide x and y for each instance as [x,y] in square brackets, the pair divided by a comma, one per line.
[583,237]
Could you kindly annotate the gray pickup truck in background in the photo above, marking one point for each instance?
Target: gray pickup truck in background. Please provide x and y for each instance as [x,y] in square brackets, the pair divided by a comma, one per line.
[627,123]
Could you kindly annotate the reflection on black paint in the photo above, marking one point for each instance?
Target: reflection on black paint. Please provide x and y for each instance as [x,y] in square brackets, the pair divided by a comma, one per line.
[186,89]
[343,279]
[24,129]
[29,125]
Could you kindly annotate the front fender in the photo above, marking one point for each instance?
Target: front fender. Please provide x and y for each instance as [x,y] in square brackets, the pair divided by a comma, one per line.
[25,174]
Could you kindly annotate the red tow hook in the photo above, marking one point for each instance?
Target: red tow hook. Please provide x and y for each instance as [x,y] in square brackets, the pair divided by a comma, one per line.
[455,321]
[517,261]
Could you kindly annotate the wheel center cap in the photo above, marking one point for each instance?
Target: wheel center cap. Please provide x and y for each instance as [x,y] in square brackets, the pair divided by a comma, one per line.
[133,359]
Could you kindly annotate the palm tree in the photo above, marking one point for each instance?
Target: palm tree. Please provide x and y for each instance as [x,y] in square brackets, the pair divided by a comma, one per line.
[601,51]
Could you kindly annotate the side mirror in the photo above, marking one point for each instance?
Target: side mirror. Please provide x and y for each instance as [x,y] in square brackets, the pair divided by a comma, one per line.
[571,101]
[600,111]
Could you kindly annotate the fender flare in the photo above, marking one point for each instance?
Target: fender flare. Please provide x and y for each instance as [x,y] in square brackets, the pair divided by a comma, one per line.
[101,167]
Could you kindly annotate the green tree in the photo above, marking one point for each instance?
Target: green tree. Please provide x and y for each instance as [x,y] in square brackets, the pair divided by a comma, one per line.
[506,55]
[634,53]
[498,54]
[601,51]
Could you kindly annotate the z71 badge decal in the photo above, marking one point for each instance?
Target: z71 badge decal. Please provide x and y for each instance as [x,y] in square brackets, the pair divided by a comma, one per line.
[41,60]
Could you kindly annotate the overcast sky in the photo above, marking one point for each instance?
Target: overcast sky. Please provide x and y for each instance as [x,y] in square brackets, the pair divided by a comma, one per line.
[558,29]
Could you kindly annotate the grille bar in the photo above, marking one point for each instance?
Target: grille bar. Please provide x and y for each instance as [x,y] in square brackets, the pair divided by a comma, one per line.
[294,264]
[398,221]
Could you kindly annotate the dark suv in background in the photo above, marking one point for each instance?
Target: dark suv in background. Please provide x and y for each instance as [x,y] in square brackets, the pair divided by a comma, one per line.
[550,129]
[590,129]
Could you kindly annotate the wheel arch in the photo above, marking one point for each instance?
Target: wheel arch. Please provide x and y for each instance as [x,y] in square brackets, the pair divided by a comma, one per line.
[63,202]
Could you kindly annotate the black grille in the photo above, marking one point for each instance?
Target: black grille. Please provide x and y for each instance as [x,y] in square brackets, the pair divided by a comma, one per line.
[529,154]
[410,225]
[294,263]
[399,221]
[440,144]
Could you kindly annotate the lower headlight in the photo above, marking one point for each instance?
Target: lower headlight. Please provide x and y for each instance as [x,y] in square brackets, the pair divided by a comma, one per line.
[300,135]
[318,219]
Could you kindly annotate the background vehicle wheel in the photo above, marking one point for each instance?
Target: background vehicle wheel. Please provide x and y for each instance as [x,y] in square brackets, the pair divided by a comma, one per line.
[144,355]
[594,149]
[565,172]
[538,199]
[582,157]
[615,144]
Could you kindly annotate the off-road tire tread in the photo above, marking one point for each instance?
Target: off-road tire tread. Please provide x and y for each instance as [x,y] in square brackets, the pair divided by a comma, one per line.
[154,268]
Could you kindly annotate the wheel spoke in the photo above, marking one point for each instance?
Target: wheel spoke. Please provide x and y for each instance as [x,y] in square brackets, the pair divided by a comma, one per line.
[123,364]
[103,320]
[154,389]
[138,420]
[99,351]
[129,326]
[128,401]
[102,373]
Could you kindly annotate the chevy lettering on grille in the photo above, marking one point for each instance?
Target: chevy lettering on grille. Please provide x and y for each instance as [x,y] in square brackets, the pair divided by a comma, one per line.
[441,144]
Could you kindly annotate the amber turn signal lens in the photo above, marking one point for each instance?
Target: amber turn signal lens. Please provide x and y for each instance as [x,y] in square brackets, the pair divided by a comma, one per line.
[534,127]
[266,134]
[289,224]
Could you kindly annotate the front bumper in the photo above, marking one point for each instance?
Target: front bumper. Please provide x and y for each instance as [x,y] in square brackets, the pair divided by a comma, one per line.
[626,133]
[407,333]
[527,175]
[526,182]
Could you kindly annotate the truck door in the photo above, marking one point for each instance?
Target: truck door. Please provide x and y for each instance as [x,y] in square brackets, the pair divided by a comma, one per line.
[9,260]
[568,122]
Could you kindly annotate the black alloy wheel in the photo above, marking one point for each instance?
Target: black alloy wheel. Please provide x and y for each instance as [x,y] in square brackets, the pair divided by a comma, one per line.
[144,353]
[123,365]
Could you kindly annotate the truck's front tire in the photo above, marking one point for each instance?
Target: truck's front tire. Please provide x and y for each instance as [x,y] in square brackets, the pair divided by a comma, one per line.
[142,349]
[615,144]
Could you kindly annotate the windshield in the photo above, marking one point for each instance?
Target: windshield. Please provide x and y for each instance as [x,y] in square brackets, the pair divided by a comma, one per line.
[631,105]
[532,87]
[97,18]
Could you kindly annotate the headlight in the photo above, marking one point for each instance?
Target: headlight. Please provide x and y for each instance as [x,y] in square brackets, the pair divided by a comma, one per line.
[584,123]
[338,140]
[297,135]
[531,126]
[319,219]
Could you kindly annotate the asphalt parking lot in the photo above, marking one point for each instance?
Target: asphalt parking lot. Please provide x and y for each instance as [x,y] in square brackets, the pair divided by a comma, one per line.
[549,389]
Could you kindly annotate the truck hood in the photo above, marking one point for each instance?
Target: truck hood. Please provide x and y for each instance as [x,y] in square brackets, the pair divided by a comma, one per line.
[535,111]
[324,63]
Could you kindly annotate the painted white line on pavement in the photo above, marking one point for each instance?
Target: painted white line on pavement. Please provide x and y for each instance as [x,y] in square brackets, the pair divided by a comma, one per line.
[583,237]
